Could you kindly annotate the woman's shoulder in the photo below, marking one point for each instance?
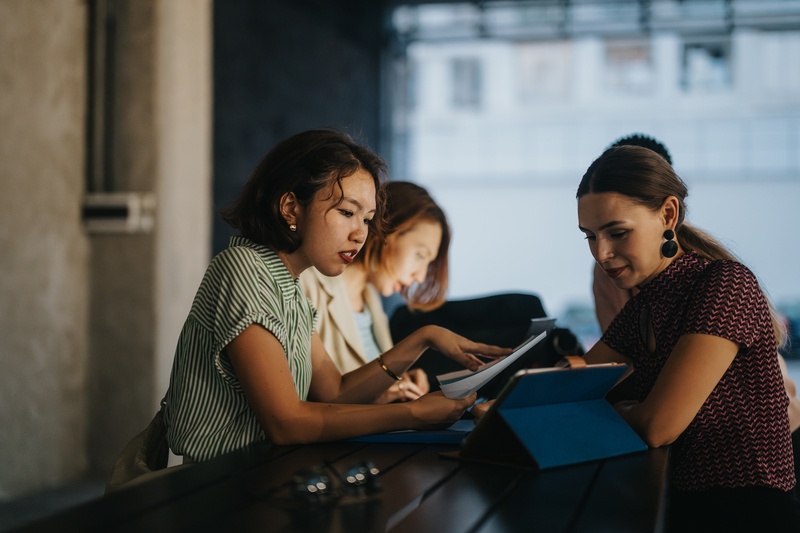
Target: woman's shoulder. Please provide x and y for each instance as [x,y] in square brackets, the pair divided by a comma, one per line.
[314,282]
[728,272]
[244,254]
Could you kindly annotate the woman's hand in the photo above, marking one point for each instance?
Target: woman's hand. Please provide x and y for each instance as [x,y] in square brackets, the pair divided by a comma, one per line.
[480,409]
[413,385]
[460,348]
[435,410]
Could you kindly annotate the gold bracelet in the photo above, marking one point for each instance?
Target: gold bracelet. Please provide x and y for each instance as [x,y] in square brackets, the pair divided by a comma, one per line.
[387,369]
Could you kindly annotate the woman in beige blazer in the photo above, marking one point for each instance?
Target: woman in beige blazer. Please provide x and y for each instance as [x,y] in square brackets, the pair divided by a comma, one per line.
[412,261]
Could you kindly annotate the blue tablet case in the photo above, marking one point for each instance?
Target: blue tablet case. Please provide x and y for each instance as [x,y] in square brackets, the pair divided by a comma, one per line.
[551,418]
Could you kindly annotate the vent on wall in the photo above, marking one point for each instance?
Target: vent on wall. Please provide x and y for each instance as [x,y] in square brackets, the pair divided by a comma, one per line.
[107,208]
[119,212]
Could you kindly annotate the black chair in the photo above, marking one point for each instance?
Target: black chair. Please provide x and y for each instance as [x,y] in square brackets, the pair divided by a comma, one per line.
[501,319]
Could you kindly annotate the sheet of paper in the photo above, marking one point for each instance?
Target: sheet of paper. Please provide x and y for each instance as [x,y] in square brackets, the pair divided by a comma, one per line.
[462,383]
[539,325]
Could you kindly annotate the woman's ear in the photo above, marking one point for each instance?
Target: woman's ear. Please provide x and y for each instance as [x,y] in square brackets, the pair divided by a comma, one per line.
[670,211]
[289,207]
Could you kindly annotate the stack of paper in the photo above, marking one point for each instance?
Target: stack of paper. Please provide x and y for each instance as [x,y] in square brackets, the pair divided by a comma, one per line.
[462,383]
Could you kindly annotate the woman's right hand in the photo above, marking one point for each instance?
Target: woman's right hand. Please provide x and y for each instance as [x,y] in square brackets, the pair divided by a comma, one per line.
[460,348]
[435,410]
[480,409]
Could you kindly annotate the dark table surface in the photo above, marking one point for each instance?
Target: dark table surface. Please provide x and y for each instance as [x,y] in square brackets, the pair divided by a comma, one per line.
[418,491]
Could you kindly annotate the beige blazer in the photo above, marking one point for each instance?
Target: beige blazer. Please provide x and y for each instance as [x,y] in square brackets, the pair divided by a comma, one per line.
[336,324]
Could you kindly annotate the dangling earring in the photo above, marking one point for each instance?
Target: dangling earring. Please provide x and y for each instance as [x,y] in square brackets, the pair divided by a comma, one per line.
[669,248]
[292,227]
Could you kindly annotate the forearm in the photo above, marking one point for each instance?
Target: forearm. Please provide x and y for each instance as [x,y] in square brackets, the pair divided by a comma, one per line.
[601,353]
[317,422]
[365,384]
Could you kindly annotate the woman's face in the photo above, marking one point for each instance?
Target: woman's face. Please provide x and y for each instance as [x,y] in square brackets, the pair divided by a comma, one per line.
[331,235]
[409,254]
[624,237]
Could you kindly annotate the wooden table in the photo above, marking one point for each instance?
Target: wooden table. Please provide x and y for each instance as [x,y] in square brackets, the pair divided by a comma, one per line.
[419,492]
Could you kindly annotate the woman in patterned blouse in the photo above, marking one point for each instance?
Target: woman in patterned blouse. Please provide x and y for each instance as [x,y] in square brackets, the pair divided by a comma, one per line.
[702,339]
[248,365]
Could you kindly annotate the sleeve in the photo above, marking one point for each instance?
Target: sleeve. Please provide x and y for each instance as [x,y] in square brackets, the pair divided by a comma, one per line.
[242,298]
[622,334]
[727,302]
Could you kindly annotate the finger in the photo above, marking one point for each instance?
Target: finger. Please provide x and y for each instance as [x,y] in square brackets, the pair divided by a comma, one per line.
[419,378]
[488,350]
[492,349]
[410,396]
[411,390]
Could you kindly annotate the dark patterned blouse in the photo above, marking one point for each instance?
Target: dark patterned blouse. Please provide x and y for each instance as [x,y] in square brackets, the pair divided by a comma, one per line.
[740,437]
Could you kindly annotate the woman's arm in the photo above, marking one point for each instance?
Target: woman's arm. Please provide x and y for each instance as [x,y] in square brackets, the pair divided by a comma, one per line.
[682,387]
[261,367]
[366,383]
[791,392]
[602,353]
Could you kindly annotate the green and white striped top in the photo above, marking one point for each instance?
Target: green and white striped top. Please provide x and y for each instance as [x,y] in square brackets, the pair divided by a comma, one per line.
[206,411]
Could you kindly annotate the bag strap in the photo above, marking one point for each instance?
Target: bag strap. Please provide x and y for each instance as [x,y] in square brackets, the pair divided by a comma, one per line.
[571,361]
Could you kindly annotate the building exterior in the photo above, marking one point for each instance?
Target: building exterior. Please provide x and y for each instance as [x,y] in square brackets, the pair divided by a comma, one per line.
[499,109]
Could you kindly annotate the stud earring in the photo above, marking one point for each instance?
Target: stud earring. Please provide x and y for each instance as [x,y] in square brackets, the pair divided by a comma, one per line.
[669,248]
[292,227]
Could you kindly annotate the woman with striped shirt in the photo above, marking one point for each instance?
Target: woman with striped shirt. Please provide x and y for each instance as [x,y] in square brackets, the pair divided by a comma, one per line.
[248,365]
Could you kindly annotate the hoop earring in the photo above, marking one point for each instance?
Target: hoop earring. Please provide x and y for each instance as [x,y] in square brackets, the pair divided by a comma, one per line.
[669,248]
[292,227]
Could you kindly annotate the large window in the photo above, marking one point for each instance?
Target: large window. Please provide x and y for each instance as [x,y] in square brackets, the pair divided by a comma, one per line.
[706,65]
[629,67]
[467,82]
[509,102]
[544,71]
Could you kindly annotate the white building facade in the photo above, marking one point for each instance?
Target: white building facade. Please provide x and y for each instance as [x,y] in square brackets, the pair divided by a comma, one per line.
[499,109]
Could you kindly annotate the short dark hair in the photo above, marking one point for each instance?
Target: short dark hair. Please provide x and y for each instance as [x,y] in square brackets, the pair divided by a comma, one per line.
[305,164]
[646,141]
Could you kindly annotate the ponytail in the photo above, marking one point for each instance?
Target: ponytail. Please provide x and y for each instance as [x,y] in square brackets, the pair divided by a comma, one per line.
[694,239]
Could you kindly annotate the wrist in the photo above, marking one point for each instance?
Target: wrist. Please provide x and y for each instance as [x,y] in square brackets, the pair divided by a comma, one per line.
[389,372]
[428,333]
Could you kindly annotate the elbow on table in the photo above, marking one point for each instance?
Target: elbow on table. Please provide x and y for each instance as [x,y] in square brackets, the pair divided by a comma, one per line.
[290,432]
[656,435]
[656,428]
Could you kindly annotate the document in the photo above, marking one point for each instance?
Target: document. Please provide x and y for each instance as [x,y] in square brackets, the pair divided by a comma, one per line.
[462,383]
[539,325]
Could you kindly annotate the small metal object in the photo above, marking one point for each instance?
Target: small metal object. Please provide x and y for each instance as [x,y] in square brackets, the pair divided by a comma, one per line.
[313,485]
[361,479]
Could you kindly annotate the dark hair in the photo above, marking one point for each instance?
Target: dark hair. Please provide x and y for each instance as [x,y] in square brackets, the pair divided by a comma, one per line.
[648,179]
[305,164]
[406,204]
[642,175]
[640,139]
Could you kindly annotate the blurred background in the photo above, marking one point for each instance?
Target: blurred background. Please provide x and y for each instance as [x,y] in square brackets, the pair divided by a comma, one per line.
[124,124]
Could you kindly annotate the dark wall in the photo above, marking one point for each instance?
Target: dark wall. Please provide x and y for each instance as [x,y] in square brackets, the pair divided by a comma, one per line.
[284,66]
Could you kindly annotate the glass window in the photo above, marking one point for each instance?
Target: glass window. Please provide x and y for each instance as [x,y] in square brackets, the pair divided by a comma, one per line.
[466,78]
[544,70]
[706,66]
[629,67]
